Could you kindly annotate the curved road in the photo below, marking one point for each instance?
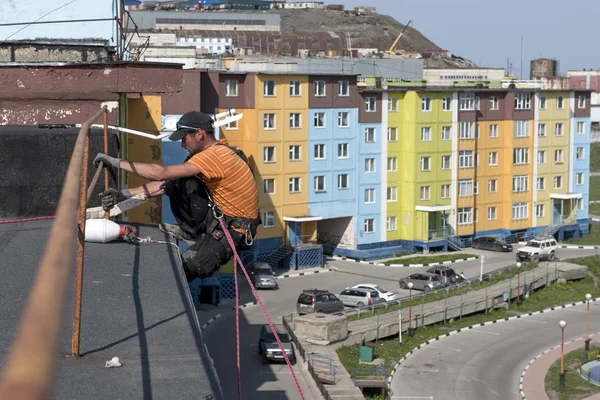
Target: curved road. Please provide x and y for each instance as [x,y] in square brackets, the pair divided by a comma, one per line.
[487,362]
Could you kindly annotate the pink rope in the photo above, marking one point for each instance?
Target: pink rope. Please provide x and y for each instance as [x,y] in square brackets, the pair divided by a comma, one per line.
[17,221]
[237,327]
[287,360]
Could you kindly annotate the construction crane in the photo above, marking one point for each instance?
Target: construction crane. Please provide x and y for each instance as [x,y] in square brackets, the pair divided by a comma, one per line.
[391,50]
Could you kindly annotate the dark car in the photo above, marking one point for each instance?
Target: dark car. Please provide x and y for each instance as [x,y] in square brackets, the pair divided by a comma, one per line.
[448,275]
[268,347]
[318,301]
[425,282]
[491,243]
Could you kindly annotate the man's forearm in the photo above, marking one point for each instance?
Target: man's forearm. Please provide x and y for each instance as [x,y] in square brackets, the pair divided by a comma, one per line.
[153,172]
[151,189]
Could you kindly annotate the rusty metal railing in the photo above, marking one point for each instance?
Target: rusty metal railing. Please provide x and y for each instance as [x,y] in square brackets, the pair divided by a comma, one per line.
[30,368]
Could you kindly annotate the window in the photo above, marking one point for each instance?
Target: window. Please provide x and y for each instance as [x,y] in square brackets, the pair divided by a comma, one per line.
[493,186]
[520,211]
[369,196]
[295,153]
[319,151]
[522,101]
[390,223]
[560,102]
[392,164]
[542,103]
[231,126]
[269,121]
[477,107]
[269,154]
[465,215]
[466,101]
[445,162]
[446,101]
[445,189]
[369,225]
[392,134]
[580,154]
[477,159]
[540,184]
[392,104]
[541,157]
[320,89]
[494,103]
[426,134]
[557,182]
[343,181]
[476,189]
[392,193]
[424,193]
[558,129]
[521,155]
[425,163]
[320,120]
[520,183]
[269,88]
[493,158]
[268,219]
[466,130]
[231,88]
[521,128]
[343,119]
[491,213]
[446,133]
[269,186]
[343,150]
[370,165]
[465,159]
[581,101]
[371,104]
[294,120]
[370,135]
[579,178]
[493,130]
[539,210]
[579,204]
[426,104]
[343,88]
[541,130]
[581,127]
[465,187]
[294,88]
[558,156]
[294,185]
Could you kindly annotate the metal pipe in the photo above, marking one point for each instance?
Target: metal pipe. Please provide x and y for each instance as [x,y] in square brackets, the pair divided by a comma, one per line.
[107,214]
[62,21]
[30,367]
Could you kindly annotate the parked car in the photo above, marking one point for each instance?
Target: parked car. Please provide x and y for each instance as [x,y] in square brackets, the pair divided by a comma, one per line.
[262,276]
[384,295]
[268,347]
[318,301]
[425,281]
[541,248]
[448,275]
[359,297]
[490,243]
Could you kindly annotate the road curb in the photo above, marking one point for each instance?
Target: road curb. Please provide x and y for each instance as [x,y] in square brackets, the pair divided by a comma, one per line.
[580,247]
[210,321]
[252,303]
[438,338]
[404,265]
[595,219]
[306,273]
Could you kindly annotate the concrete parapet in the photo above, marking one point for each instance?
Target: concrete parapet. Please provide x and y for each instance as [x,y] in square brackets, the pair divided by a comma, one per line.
[321,327]
[571,272]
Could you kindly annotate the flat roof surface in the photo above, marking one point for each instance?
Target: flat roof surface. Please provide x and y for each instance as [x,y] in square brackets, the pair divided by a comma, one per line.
[135,305]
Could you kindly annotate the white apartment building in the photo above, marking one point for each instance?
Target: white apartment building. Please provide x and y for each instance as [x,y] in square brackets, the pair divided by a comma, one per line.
[302,4]
[210,45]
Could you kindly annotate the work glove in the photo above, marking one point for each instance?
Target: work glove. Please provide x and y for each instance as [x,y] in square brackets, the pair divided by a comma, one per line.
[108,160]
[111,197]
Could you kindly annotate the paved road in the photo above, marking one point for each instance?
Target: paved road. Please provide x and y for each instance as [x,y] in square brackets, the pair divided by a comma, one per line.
[274,382]
[486,362]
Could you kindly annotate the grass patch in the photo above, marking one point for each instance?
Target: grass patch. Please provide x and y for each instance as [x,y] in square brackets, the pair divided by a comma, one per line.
[594,209]
[594,187]
[575,386]
[595,157]
[592,239]
[430,259]
[390,350]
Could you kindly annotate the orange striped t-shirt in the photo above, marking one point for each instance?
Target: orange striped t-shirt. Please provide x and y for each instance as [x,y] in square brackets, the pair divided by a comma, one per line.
[229,180]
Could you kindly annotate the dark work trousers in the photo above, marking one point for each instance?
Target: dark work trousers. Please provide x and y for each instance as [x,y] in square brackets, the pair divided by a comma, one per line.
[190,205]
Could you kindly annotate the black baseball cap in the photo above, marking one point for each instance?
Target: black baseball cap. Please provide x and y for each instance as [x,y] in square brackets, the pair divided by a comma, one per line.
[191,121]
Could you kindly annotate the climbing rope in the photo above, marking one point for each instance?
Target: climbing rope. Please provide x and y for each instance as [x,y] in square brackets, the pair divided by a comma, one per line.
[17,221]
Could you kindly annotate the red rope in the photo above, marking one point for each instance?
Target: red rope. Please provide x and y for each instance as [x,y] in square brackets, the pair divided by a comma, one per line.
[287,360]
[17,221]
[237,328]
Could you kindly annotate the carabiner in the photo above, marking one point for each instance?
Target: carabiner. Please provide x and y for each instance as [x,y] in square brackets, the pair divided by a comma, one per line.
[249,238]
[217,211]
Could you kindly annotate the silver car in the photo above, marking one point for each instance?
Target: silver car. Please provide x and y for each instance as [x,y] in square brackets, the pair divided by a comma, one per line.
[268,347]
[359,297]
[262,276]
[423,281]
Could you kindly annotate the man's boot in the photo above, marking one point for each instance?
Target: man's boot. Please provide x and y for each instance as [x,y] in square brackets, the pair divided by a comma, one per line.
[176,232]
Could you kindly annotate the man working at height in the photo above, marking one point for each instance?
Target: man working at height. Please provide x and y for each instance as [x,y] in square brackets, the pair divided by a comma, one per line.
[215,181]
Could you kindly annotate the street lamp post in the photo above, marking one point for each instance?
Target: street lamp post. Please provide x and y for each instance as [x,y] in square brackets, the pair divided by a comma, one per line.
[518,284]
[562,325]
[588,297]
[410,330]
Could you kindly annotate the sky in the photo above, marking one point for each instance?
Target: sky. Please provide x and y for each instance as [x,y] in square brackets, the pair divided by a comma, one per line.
[488,32]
